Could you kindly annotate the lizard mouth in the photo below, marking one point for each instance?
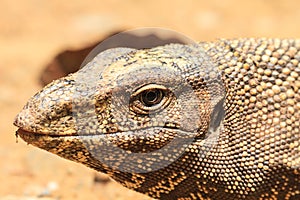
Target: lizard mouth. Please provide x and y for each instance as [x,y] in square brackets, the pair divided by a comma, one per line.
[29,136]
[134,140]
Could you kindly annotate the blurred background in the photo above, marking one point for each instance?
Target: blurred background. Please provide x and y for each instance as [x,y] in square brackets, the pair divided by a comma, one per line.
[33,32]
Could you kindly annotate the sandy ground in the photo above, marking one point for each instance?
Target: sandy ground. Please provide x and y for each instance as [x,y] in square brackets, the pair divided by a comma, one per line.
[33,31]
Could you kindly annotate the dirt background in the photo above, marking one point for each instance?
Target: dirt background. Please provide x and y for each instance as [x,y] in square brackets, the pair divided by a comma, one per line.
[32,32]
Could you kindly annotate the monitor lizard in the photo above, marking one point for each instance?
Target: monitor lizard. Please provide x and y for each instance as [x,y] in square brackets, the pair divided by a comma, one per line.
[212,120]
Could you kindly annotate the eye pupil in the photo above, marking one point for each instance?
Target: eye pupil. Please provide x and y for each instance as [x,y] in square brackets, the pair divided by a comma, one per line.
[152,97]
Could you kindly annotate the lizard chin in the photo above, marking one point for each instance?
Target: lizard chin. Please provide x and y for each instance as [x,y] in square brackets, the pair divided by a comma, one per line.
[109,150]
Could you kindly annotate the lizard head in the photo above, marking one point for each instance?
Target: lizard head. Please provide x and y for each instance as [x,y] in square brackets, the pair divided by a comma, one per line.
[129,113]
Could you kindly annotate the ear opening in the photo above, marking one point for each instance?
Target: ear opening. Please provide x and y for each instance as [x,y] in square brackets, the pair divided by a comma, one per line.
[217,115]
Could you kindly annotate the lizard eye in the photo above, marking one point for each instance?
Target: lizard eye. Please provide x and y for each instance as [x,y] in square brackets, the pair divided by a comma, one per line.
[150,98]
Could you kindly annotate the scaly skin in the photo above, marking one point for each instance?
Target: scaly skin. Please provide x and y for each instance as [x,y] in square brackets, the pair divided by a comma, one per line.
[215,120]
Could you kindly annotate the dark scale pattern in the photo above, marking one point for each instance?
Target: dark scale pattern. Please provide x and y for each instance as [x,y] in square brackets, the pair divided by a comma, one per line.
[226,125]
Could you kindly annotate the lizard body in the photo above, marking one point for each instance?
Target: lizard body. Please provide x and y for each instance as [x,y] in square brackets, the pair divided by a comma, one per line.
[213,120]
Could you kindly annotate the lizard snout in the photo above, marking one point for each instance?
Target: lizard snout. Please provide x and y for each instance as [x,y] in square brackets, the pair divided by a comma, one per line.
[49,112]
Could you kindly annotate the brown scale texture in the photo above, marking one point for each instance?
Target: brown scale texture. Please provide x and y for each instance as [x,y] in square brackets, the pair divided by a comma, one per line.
[226,125]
